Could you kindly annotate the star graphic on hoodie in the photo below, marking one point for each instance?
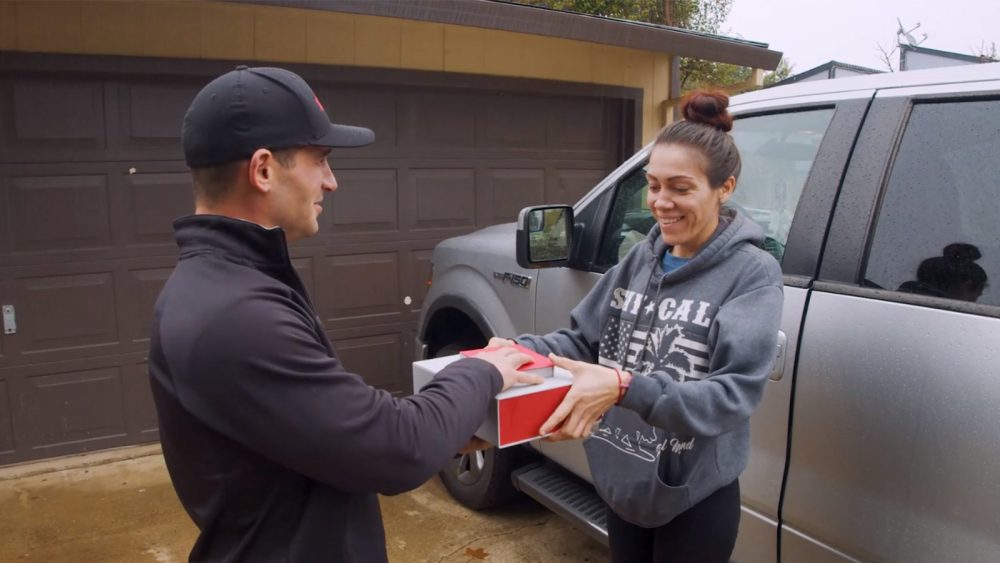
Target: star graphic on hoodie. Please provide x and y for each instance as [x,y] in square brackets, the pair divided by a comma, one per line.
[650,308]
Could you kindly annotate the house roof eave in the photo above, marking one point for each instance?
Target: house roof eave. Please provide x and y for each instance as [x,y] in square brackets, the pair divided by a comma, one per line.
[509,16]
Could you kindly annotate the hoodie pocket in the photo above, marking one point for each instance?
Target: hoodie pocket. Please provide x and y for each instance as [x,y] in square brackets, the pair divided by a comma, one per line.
[683,459]
[696,470]
[661,504]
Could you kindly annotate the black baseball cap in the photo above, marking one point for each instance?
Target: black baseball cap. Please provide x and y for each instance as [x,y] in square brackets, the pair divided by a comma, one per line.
[259,108]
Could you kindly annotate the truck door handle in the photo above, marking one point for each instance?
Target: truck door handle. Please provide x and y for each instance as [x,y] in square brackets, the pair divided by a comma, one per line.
[779,361]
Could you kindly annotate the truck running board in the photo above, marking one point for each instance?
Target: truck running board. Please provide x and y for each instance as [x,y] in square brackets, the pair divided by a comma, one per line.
[567,496]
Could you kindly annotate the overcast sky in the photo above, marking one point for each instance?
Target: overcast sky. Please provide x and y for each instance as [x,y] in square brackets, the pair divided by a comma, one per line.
[813,32]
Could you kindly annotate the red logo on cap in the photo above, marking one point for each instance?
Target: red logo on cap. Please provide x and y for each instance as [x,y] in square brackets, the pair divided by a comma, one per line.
[318,103]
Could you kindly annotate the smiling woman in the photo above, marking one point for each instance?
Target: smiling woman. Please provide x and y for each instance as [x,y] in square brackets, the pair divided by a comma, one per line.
[681,199]
[670,353]
[692,172]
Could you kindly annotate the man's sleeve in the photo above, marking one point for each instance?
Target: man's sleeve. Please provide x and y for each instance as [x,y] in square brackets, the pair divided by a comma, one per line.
[261,377]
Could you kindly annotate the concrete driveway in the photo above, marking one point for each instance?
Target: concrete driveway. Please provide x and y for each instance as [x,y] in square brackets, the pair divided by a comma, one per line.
[119,506]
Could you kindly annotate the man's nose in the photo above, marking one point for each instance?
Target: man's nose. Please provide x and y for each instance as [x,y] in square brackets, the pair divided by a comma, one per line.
[329,180]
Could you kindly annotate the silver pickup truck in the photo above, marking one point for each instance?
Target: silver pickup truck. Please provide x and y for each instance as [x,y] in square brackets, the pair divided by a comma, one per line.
[878,437]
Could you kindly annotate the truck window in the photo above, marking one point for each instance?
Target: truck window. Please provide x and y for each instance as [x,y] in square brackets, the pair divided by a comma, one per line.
[630,219]
[777,151]
[936,229]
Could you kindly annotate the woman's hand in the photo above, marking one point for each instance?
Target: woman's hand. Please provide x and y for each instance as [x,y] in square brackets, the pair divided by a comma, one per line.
[594,391]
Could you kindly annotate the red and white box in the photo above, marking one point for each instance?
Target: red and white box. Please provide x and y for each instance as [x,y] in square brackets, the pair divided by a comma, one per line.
[516,414]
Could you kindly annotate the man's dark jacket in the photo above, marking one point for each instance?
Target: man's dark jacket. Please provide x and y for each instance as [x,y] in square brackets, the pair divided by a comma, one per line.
[275,450]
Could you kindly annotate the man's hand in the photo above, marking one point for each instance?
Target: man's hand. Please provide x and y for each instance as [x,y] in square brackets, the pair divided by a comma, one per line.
[475,444]
[497,342]
[594,392]
[507,360]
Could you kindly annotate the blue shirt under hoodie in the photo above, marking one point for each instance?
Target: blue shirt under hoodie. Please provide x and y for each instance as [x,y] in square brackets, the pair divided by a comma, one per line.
[700,341]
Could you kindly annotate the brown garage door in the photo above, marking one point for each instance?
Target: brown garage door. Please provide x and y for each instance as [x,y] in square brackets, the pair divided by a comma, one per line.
[91,176]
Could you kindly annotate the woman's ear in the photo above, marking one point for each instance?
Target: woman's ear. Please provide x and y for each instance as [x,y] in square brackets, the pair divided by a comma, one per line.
[261,170]
[726,189]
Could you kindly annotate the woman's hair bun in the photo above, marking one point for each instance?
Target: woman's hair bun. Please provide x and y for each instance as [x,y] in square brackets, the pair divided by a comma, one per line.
[708,107]
[961,252]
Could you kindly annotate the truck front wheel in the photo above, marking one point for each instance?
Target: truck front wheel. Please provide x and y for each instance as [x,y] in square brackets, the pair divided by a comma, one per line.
[481,480]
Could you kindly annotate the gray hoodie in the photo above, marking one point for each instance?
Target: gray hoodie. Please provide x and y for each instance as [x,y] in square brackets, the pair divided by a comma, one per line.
[700,342]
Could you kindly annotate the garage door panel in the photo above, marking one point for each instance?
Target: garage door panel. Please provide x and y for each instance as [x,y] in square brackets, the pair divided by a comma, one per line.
[363,289]
[51,213]
[7,291]
[151,115]
[70,407]
[52,120]
[510,191]
[304,267]
[367,203]
[513,122]
[419,276]
[142,287]
[7,444]
[7,212]
[152,202]
[443,199]
[571,185]
[376,359]
[140,411]
[436,120]
[578,124]
[66,312]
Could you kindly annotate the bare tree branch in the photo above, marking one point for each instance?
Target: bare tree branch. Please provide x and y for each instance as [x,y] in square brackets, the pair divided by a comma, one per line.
[887,56]
[985,53]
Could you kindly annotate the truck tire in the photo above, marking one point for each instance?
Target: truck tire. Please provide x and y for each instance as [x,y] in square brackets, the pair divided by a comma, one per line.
[480,480]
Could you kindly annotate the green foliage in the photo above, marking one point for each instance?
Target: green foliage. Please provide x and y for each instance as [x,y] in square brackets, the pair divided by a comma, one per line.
[783,71]
[697,15]
[699,73]
[636,10]
[705,16]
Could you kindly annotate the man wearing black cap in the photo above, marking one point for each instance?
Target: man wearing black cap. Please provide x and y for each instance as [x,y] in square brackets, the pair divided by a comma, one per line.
[275,450]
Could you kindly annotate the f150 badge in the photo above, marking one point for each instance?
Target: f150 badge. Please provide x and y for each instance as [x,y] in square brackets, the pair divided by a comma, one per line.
[516,280]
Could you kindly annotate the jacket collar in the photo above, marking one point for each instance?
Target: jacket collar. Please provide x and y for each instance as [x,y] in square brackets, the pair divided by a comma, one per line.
[233,239]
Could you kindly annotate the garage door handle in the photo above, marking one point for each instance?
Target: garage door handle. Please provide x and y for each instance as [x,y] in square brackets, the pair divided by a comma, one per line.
[9,320]
[779,362]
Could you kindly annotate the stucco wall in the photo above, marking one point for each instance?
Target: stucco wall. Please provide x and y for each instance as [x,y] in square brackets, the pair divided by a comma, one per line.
[215,30]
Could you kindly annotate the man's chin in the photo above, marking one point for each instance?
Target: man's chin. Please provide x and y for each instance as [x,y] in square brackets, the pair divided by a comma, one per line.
[301,233]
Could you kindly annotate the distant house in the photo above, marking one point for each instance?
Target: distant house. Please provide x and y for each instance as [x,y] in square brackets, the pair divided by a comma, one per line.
[912,57]
[826,71]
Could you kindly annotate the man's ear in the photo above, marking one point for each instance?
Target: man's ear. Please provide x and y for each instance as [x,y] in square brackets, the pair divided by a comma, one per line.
[261,170]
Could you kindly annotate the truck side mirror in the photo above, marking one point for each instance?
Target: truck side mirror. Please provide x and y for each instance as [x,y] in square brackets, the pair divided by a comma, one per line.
[544,236]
